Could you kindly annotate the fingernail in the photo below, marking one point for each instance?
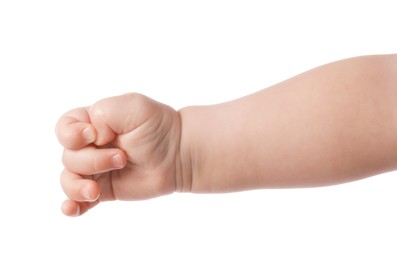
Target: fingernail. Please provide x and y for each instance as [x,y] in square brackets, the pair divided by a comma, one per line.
[117,161]
[86,193]
[77,213]
[88,135]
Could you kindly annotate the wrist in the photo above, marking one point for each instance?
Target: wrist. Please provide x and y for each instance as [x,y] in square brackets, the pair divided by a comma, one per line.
[184,174]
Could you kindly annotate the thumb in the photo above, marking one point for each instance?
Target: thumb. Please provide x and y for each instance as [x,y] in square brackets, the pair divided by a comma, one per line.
[119,115]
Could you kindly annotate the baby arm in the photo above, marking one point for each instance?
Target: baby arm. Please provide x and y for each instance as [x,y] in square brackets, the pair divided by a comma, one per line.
[333,124]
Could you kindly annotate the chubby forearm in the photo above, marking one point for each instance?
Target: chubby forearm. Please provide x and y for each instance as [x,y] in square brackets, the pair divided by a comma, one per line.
[333,124]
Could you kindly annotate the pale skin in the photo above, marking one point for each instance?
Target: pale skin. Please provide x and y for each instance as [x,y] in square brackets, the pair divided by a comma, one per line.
[333,124]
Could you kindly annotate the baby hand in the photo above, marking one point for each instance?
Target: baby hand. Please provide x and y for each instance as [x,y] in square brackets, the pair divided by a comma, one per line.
[120,148]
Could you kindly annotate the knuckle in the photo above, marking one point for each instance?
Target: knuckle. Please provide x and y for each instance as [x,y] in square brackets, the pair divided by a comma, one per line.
[64,157]
[63,180]
[97,110]
[68,138]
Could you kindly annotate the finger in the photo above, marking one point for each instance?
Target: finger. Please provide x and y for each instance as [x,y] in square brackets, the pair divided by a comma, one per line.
[120,115]
[73,208]
[92,160]
[79,189]
[74,129]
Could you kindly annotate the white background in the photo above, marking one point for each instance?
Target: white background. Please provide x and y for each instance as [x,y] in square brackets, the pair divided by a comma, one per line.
[57,55]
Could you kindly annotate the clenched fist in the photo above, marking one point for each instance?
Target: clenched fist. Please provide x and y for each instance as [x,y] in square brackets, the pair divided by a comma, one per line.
[121,148]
